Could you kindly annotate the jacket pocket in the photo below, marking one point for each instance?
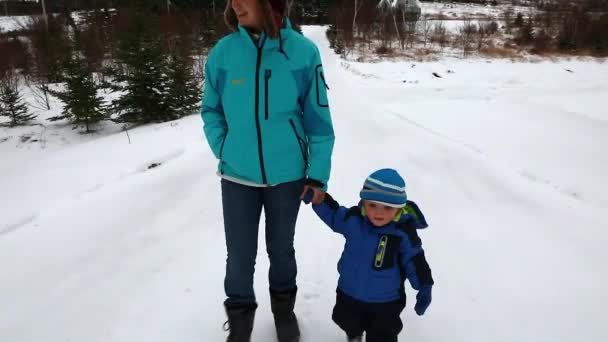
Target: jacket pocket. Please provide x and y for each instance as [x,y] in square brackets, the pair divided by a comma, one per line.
[321,87]
[222,146]
[301,142]
[267,75]
[222,153]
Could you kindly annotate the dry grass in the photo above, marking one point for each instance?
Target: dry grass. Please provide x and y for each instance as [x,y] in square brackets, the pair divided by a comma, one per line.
[500,52]
[414,54]
[385,51]
[439,16]
[497,46]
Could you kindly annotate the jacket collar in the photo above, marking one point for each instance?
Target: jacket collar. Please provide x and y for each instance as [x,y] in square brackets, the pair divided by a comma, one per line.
[411,211]
[264,41]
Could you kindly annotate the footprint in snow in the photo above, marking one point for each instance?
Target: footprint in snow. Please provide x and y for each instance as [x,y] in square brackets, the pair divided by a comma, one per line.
[16,225]
[153,164]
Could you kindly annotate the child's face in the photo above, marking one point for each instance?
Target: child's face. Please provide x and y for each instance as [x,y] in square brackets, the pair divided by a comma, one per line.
[379,214]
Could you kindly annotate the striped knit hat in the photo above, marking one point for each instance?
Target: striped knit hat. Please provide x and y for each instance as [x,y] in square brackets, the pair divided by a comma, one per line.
[386,187]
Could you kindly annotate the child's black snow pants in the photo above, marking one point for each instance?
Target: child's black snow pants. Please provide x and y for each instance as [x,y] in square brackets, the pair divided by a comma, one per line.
[380,321]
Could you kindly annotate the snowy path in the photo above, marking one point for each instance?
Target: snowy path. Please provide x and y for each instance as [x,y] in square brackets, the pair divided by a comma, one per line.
[96,247]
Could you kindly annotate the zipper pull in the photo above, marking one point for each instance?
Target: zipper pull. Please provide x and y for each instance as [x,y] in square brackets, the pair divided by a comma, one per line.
[268,73]
[323,78]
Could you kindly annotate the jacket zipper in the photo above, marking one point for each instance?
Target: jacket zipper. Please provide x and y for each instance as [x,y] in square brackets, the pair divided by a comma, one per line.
[267,76]
[301,142]
[257,110]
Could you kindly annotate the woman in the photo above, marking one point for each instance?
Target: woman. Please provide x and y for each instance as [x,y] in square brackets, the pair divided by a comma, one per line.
[267,120]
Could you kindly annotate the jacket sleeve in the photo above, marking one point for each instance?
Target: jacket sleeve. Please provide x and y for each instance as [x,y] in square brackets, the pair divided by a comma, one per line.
[212,111]
[317,122]
[334,215]
[413,261]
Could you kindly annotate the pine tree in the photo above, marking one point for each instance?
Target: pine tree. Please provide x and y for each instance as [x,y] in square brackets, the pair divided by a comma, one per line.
[141,75]
[519,21]
[526,33]
[183,90]
[83,107]
[12,105]
[183,93]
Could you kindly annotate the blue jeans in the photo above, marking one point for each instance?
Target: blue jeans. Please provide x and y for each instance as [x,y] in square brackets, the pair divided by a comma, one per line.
[242,206]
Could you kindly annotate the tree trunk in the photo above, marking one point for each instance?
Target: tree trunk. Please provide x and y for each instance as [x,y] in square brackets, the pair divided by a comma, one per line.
[397,30]
[358,4]
[45,92]
[355,16]
[6,8]
[46,19]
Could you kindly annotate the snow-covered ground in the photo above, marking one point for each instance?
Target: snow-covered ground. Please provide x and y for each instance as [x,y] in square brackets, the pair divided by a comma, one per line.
[506,160]
[13,23]
[453,15]
[452,26]
[460,10]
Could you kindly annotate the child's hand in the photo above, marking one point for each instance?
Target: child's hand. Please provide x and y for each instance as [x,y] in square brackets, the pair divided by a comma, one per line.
[423,299]
[312,195]
[308,196]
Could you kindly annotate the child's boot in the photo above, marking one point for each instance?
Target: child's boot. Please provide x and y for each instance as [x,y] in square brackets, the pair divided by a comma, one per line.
[286,323]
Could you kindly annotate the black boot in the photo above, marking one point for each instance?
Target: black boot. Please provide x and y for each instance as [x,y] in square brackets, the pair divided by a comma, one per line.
[240,321]
[285,320]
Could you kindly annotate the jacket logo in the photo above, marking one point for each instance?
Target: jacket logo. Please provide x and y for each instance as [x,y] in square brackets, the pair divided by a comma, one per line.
[240,81]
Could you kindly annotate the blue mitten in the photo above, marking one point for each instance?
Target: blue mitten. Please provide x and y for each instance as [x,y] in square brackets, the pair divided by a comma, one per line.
[423,299]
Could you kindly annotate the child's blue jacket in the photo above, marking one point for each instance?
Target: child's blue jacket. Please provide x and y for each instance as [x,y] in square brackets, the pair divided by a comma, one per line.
[377,260]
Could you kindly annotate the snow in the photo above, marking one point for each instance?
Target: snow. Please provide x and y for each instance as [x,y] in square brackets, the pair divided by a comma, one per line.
[499,109]
[453,26]
[395,3]
[460,10]
[505,159]
[13,23]
[453,15]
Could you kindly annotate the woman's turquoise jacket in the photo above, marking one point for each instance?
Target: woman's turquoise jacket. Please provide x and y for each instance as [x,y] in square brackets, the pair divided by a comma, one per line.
[265,109]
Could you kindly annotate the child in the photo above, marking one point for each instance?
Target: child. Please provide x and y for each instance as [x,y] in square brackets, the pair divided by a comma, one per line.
[382,249]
